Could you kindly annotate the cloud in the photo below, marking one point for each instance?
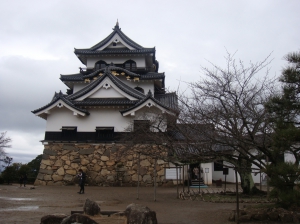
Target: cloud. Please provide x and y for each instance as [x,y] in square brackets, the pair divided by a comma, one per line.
[38,38]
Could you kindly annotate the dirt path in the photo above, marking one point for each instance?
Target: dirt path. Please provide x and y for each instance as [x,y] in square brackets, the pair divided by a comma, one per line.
[22,205]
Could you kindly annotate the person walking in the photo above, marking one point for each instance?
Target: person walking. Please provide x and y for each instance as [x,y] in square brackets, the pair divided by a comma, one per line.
[21,179]
[82,177]
[25,179]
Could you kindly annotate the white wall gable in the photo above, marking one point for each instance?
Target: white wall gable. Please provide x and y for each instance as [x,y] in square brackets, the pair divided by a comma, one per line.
[119,43]
[148,103]
[59,104]
[106,89]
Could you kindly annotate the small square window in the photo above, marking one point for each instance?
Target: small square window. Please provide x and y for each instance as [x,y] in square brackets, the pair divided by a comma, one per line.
[104,133]
[68,133]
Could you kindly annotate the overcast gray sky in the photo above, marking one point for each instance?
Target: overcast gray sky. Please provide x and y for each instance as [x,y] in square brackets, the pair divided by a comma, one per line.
[37,41]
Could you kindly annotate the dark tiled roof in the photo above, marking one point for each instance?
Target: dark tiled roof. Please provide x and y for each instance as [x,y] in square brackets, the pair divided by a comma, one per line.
[57,97]
[169,99]
[104,102]
[80,77]
[92,52]
[130,91]
[152,75]
[117,30]
[149,96]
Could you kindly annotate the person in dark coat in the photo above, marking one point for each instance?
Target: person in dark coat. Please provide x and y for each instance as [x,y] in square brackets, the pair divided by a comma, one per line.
[82,177]
[21,179]
[25,179]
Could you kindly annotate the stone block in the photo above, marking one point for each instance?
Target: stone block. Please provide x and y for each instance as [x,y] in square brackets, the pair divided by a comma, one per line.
[147,178]
[58,163]
[145,163]
[44,156]
[130,157]
[74,165]
[130,172]
[135,177]
[110,178]
[92,174]
[110,163]
[76,161]
[56,178]
[110,168]
[136,213]
[97,168]
[161,172]
[56,147]
[68,162]
[101,151]
[106,153]
[129,163]
[71,172]
[43,166]
[61,171]
[94,161]
[160,162]
[47,177]
[46,171]
[99,179]
[68,177]
[86,151]
[104,158]
[40,176]
[50,152]
[84,162]
[91,208]
[66,167]
[69,147]
[64,152]
[46,162]
[143,170]
[104,172]
[126,178]
[65,157]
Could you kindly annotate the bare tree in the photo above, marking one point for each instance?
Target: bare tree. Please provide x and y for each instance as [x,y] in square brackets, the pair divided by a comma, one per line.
[232,101]
[4,143]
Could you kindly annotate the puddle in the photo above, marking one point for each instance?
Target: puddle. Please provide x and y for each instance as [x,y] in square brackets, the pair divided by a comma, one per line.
[21,208]
[18,199]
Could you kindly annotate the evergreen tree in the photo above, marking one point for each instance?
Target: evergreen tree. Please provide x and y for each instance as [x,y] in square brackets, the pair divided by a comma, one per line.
[284,111]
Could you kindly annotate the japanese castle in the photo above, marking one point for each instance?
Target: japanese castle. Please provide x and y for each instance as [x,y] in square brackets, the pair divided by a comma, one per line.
[106,99]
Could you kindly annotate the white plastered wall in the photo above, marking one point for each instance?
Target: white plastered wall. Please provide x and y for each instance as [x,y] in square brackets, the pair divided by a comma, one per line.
[108,117]
[99,117]
[140,60]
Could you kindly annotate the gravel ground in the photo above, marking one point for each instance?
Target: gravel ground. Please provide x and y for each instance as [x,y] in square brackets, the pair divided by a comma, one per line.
[25,205]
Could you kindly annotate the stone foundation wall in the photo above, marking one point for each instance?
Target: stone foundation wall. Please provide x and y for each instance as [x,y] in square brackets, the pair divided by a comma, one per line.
[103,164]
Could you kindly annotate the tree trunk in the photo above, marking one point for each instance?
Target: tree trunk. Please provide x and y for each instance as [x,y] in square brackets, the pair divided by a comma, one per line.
[247,183]
[244,169]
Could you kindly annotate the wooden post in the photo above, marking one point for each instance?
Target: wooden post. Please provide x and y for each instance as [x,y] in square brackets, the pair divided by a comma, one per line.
[237,197]
[138,186]
[189,174]
[199,176]
[268,189]
[177,181]
[183,177]
[155,161]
